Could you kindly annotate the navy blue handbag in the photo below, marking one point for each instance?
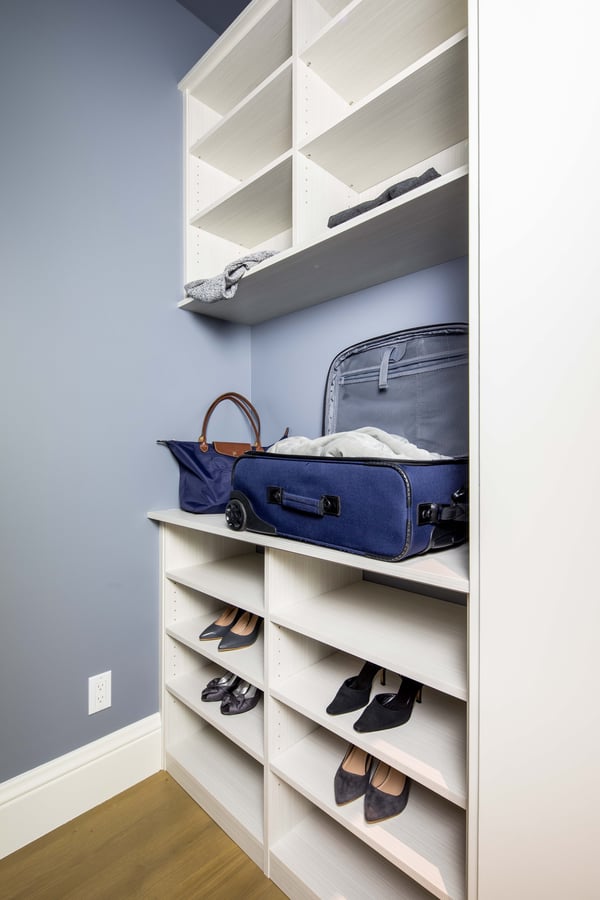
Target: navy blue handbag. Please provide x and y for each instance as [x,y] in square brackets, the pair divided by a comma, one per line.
[205,468]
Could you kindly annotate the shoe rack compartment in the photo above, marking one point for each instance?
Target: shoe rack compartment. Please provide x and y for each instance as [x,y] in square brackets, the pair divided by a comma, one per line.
[331,603]
[426,841]
[222,779]
[237,580]
[430,747]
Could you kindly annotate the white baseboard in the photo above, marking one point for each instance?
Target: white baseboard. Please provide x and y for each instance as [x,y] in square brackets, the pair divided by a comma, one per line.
[38,801]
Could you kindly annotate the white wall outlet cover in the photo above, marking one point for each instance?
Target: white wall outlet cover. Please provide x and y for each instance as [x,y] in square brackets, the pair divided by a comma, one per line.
[99,692]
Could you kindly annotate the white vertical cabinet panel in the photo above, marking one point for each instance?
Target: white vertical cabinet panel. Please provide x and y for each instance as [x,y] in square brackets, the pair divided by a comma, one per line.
[539,777]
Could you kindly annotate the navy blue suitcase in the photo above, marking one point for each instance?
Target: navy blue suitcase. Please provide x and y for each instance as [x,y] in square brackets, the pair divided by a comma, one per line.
[413,383]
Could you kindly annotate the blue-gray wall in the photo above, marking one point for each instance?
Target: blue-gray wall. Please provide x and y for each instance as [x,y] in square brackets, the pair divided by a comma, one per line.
[294,352]
[96,362]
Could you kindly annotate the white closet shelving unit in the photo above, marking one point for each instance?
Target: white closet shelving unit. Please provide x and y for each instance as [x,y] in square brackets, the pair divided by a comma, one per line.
[266,776]
[301,109]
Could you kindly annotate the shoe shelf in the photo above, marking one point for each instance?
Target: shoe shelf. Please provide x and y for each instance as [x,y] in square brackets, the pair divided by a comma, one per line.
[238,581]
[422,636]
[225,780]
[264,118]
[245,730]
[318,859]
[247,662]
[369,41]
[292,118]
[427,841]
[430,748]
[447,570]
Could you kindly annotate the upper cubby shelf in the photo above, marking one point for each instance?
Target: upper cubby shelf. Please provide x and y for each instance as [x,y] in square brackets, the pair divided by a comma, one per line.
[424,228]
[255,132]
[369,41]
[410,118]
[256,211]
[262,39]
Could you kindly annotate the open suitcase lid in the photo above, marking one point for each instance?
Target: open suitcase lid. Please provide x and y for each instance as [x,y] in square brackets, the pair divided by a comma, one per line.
[413,383]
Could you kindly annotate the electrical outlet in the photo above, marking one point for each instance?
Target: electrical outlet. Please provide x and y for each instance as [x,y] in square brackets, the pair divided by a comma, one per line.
[99,692]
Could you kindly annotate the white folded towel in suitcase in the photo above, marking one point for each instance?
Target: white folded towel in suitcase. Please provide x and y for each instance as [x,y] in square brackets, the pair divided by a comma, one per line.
[368,442]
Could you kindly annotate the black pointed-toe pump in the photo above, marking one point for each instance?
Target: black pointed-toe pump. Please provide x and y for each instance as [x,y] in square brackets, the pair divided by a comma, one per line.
[355,691]
[390,710]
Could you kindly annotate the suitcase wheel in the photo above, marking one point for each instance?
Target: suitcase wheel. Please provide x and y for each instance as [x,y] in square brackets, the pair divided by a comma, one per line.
[235,515]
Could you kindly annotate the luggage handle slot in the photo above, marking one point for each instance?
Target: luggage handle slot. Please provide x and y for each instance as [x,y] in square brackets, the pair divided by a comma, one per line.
[325,505]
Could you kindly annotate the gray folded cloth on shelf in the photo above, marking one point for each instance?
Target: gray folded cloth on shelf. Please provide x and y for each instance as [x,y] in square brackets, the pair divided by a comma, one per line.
[225,285]
[396,190]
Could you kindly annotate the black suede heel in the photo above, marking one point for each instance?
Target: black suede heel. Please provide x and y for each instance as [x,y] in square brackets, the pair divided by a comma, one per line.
[386,794]
[355,691]
[352,777]
[390,710]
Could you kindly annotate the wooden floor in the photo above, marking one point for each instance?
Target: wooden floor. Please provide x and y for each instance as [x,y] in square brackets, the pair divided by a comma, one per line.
[152,842]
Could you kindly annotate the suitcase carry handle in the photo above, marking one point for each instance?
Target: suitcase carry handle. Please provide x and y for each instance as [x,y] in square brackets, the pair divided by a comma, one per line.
[325,505]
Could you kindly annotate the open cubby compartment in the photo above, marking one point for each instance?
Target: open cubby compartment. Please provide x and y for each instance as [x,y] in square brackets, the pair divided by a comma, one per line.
[331,603]
[369,41]
[255,45]
[223,779]
[192,617]
[426,841]
[255,132]
[410,118]
[321,194]
[312,857]
[187,673]
[430,747]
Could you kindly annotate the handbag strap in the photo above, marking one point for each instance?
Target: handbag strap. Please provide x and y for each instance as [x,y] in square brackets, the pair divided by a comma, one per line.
[244,405]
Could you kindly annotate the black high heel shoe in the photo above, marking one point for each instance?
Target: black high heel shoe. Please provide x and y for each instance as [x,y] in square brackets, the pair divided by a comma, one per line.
[390,710]
[243,633]
[222,625]
[352,777]
[386,794]
[355,691]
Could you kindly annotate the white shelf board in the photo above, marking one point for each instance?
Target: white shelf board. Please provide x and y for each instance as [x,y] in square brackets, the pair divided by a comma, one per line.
[426,841]
[247,662]
[245,730]
[430,747]
[257,210]
[309,858]
[413,117]
[226,782]
[256,44]
[411,634]
[448,569]
[237,580]
[371,40]
[423,228]
[255,132]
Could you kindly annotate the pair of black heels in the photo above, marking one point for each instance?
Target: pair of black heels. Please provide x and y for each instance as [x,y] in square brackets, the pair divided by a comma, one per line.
[384,710]
[235,627]
[385,789]
[235,695]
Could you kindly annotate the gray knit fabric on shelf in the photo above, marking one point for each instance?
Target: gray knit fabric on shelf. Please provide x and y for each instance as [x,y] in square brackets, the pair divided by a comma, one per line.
[225,285]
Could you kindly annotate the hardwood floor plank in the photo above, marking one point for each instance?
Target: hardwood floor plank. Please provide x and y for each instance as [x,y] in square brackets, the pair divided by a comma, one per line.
[152,842]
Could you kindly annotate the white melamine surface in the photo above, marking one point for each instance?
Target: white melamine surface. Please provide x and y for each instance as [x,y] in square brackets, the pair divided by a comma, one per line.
[411,634]
[237,580]
[257,44]
[225,772]
[259,209]
[331,863]
[430,747]
[245,730]
[254,133]
[247,662]
[411,118]
[448,569]
[426,840]
[423,228]
[371,40]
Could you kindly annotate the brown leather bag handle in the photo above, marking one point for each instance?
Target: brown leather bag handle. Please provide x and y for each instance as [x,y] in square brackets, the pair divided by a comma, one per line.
[244,405]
